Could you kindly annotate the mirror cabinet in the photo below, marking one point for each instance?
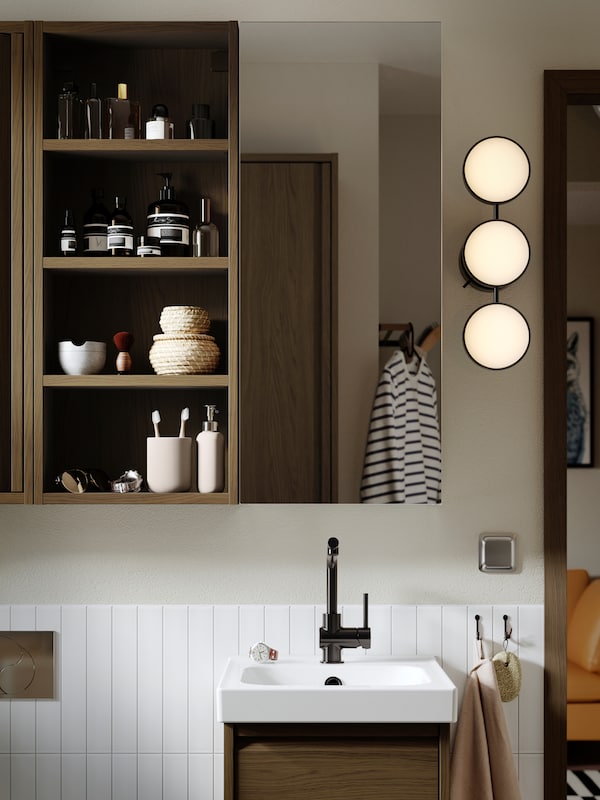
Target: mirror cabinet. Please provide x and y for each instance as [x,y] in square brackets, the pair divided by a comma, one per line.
[98,423]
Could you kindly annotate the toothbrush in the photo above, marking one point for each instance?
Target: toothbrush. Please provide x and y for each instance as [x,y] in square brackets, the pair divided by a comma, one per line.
[185,415]
[155,421]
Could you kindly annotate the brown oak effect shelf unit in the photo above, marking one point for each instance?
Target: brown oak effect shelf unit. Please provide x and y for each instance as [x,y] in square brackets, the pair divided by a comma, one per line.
[103,420]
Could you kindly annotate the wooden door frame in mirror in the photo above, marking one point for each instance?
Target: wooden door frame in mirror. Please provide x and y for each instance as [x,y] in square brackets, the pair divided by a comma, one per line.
[561,89]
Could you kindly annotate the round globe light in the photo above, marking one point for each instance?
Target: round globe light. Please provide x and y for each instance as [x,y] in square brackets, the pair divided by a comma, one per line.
[496,336]
[496,253]
[496,169]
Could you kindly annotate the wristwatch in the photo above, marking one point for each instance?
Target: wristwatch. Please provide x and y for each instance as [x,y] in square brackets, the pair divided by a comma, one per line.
[262,653]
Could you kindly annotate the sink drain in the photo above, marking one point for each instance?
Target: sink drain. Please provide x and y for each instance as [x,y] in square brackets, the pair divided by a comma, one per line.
[333,681]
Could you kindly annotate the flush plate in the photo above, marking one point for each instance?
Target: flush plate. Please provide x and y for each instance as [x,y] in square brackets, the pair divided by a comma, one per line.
[26,664]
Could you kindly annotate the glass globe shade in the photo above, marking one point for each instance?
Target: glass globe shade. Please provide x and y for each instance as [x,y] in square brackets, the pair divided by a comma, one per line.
[496,169]
[496,336]
[496,253]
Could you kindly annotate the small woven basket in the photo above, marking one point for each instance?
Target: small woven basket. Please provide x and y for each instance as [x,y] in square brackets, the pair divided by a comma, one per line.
[184,354]
[188,319]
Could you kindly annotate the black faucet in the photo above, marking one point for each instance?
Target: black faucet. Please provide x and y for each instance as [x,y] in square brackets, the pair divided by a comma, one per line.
[333,636]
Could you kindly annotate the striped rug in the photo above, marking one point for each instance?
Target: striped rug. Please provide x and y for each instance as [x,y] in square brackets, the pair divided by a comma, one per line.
[584,783]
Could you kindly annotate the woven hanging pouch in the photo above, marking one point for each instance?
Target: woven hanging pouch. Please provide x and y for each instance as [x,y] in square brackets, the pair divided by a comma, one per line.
[508,675]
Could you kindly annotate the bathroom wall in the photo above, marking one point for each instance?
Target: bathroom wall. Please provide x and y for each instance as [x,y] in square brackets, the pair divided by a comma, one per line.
[135,710]
[493,59]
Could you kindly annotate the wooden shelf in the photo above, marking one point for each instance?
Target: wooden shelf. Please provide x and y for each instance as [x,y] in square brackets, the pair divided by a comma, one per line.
[134,264]
[136,381]
[135,498]
[141,149]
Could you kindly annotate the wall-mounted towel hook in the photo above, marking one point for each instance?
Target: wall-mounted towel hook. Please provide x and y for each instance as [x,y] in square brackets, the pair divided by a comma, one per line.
[477,631]
[507,632]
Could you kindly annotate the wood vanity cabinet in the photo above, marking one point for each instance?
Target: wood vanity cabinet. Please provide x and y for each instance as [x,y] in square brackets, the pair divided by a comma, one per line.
[288,329]
[336,762]
[15,261]
[103,420]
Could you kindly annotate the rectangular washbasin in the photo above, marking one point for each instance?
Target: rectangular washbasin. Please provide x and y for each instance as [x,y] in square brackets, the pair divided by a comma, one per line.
[371,690]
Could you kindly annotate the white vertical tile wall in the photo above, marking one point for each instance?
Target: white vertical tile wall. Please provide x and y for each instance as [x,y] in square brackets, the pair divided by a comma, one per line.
[134,716]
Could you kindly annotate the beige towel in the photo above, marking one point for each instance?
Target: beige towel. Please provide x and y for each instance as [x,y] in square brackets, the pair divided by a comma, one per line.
[482,763]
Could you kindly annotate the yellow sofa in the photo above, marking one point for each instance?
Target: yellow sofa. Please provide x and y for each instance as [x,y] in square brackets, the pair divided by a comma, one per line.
[583,656]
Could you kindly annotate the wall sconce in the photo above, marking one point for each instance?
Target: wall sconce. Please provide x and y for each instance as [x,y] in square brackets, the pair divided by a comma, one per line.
[495,253]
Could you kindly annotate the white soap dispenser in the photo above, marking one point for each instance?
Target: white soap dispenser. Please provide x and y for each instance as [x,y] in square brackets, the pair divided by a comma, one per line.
[211,454]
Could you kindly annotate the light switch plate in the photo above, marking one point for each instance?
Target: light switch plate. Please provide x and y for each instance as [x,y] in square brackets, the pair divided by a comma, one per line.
[496,552]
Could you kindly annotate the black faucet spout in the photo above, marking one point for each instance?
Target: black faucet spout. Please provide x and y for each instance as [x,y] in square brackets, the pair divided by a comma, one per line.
[333,636]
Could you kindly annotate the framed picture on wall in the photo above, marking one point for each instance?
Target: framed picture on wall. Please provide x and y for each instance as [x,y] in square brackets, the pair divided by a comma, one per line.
[580,421]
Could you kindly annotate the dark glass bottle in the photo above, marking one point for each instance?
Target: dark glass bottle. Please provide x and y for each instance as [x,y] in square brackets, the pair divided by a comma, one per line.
[68,240]
[200,126]
[69,112]
[120,230]
[95,226]
[93,115]
[121,117]
[169,221]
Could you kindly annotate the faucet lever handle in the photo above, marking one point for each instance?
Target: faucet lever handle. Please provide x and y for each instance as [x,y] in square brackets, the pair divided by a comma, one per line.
[365,610]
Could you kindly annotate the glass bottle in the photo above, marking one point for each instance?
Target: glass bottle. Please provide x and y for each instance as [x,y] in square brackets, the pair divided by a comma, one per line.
[121,116]
[68,240]
[205,237]
[120,230]
[69,112]
[200,126]
[93,115]
[95,226]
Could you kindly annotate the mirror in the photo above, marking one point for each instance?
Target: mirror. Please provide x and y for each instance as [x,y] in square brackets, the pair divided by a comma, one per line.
[370,93]
[562,89]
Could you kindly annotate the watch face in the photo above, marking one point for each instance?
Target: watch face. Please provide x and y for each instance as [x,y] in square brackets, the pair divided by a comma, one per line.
[260,652]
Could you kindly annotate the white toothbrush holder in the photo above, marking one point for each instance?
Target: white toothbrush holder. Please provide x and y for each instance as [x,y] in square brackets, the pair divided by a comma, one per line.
[169,463]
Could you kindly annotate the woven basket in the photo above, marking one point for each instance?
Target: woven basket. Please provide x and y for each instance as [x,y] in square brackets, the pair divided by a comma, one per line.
[188,319]
[184,354]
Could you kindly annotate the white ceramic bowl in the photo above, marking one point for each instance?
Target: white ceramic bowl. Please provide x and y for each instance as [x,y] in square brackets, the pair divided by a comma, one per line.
[82,359]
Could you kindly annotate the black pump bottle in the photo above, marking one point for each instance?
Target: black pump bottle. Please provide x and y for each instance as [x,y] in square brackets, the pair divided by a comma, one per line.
[169,221]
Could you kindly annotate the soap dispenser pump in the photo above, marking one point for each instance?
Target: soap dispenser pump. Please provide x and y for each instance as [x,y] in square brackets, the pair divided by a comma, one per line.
[169,221]
[211,454]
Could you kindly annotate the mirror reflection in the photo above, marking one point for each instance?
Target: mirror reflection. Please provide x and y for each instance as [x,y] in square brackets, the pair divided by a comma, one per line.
[363,101]
[583,557]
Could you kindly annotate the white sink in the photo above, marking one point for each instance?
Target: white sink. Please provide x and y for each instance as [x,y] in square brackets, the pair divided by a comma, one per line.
[372,690]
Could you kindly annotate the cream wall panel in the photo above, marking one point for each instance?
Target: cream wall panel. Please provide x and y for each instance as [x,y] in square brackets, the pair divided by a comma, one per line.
[277,627]
[73,688]
[150,679]
[47,776]
[175,697]
[73,777]
[124,776]
[531,702]
[99,680]
[201,680]
[180,757]
[124,679]
[99,776]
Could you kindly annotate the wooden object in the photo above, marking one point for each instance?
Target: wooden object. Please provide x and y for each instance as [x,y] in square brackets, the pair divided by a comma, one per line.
[333,761]
[15,262]
[104,419]
[288,335]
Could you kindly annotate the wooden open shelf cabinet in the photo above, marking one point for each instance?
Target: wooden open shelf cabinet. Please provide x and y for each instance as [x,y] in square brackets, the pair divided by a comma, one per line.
[103,420]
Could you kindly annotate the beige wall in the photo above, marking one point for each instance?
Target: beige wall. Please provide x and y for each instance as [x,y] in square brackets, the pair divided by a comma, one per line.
[493,61]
